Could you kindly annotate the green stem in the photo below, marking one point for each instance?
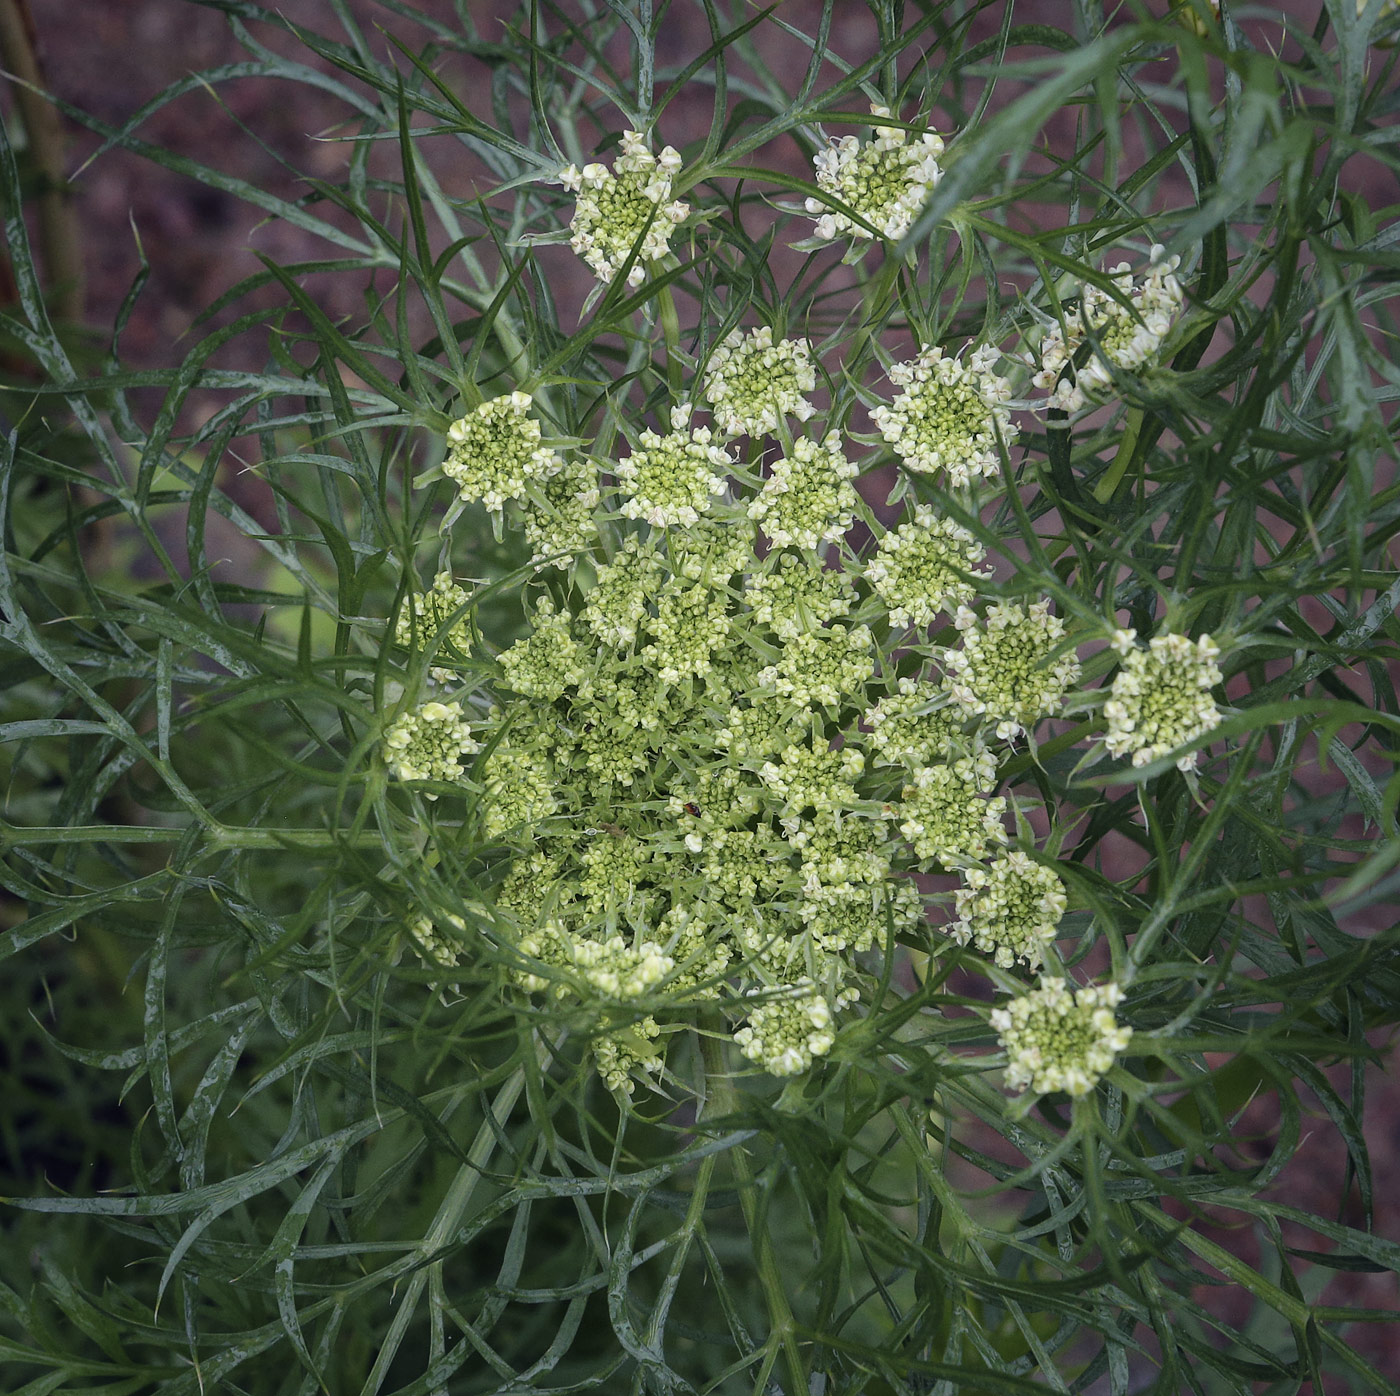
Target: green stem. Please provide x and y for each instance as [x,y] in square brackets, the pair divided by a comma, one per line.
[671,330]
[445,1225]
[219,835]
[58,223]
[723,1099]
[1108,484]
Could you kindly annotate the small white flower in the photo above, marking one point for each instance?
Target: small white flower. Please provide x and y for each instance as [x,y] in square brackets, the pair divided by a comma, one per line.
[948,415]
[752,381]
[627,207]
[1161,699]
[1013,669]
[673,478]
[887,181]
[1056,1040]
[429,743]
[495,451]
[1124,336]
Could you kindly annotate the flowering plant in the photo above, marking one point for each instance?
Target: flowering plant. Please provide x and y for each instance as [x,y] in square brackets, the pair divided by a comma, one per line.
[788,797]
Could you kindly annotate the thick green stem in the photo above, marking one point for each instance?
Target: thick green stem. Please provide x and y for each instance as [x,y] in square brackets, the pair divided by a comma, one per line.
[58,225]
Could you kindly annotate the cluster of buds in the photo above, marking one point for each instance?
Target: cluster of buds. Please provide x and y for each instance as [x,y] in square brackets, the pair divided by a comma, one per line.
[494,452]
[425,612]
[1061,1040]
[1125,330]
[429,743]
[808,498]
[753,381]
[628,207]
[949,415]
[673,478]
[886,181]
[1010,909]
[1013,668]
[926,566]
[784,1034]
[1160,699]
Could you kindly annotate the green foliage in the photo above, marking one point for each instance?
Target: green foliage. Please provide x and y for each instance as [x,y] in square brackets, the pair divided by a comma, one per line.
[259,1143]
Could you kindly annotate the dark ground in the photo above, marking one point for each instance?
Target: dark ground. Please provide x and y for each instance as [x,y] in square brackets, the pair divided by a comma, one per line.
[201,241]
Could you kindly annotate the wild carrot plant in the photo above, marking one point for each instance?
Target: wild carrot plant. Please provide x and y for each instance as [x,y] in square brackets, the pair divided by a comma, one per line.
[775,772]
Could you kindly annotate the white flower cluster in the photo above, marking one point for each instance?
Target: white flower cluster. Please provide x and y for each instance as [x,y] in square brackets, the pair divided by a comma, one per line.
[822,667]
[1058,1040]
[949,817]
[494,452]
[753,382]
[1013,668]
[629,206]
[949,415]
[423,615]
[926,566]
[1161,698]
[1125,331]
[914,726]
[726,749]
[808,498]
[429,743]
[797,595]
[558,513]
[674,478]
[784,1034]
[886,181]
[433,945]
[1010,909]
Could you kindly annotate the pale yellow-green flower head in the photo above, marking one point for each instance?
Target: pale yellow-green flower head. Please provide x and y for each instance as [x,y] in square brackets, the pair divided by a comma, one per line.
[914,726]
[1161,698]
[822,667]
[1058,1040]
[886,180]
[559,513]
[429,743]
[673,479]
[625,207]
[786,1033]
[925,566]
[808,498]
[546,661]
[948,816]
[1010,909]
[948,415]
[754,381]
[620,1054]
[1012,669]
[442,950]
[799,594]
[493,452]
[424,613]
[1125,336]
